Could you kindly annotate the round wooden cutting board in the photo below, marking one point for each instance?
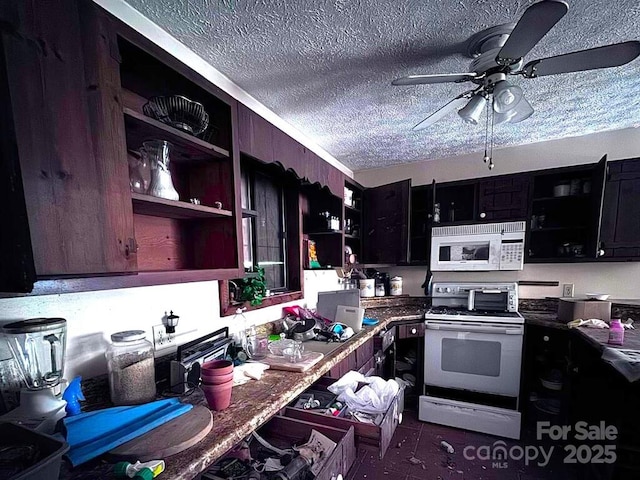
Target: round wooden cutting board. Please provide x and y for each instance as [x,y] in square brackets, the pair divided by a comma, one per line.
[167,439]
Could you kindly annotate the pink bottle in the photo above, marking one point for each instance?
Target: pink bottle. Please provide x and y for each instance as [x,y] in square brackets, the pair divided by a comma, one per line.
[616,332]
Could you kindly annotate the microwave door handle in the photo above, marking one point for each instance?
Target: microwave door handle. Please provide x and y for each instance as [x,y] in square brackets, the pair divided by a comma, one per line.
[491,291]
[475,329]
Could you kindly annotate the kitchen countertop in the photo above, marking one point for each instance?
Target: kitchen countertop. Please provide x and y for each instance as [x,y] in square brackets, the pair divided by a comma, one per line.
[252,404]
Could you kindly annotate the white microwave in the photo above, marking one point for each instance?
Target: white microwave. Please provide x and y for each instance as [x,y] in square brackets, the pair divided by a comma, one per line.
[478,247]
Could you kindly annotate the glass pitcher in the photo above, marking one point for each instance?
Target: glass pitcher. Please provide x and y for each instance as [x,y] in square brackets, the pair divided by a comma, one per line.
[157,155]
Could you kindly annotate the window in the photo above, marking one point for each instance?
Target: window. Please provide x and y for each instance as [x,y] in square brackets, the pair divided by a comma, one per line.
[263,227]
[271,229]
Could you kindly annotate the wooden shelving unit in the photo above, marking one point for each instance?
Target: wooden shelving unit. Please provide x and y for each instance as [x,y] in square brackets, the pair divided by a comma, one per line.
[161,207]
[139,128]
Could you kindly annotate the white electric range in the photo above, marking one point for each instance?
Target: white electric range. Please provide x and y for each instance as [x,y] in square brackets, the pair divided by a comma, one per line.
[473,344]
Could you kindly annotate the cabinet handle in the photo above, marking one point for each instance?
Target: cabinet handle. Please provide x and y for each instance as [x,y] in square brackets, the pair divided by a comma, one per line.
[337,477]
[414,331]
[393,338]
[483,215]
[600,252]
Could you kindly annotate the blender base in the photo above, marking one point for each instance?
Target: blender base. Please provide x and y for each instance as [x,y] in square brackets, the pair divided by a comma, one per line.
[39,410]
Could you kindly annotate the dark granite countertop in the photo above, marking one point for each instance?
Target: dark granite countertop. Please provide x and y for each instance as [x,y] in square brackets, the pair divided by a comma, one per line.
[252,404]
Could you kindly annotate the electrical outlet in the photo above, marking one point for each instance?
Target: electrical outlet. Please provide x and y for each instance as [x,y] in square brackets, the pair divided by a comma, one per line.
[567,290]
[162,339]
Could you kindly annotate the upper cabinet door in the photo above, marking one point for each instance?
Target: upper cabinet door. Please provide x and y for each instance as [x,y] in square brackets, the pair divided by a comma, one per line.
[74,199]
[503,198]
[620,224]
[255,135]
[386,223]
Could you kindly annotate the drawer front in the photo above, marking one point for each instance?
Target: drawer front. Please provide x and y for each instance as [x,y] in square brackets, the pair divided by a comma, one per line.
[343,367]
[385,339]
[364,353]
[368,368]
[297,431]
[341,460]
[411,330]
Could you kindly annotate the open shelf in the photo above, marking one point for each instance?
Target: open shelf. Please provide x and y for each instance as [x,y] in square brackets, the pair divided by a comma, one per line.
[352,209]
[583,196]
[141,128]
[558,229]
[161,207]
[329,232]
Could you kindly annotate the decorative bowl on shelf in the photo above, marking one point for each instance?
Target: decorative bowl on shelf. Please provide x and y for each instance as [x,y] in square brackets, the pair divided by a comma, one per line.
[597,296]
[179,112]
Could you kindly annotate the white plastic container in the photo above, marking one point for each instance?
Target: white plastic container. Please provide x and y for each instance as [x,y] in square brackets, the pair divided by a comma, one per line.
[395,286]
[367,287]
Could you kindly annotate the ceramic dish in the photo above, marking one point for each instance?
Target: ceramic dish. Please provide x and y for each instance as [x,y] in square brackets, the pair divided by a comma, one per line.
[597,296]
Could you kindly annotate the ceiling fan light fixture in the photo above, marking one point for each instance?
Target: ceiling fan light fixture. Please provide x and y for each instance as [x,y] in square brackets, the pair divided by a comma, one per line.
[506,96]
[521,112]
[472,111]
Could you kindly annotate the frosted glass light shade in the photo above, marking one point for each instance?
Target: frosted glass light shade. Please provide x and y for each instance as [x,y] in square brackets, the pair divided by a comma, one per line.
[506,96]
[472,111]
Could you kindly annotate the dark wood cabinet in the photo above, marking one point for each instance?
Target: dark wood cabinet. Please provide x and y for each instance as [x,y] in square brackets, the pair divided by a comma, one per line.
[75,194]
[353,222]
[386,223]
[76,80]
[620,225]
[566,209]
[504,198]
[255,135]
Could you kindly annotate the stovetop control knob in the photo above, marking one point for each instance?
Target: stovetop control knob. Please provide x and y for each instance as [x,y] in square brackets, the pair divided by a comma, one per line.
[448,290]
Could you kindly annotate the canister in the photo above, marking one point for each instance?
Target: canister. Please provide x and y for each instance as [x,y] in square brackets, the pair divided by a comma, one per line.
[130,363]
[367,287]
[396,286]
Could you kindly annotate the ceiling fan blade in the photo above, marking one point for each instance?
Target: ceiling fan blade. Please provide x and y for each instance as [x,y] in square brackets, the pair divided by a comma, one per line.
[534,24]
[454,104]
[591,59]
[440,78]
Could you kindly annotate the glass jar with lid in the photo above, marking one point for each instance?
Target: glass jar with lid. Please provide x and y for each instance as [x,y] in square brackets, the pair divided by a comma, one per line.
[131,368]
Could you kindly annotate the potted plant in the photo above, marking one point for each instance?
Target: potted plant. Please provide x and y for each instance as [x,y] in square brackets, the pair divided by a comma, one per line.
[253,287]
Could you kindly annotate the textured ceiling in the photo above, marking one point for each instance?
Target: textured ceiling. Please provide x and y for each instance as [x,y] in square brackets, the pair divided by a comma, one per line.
[325,67]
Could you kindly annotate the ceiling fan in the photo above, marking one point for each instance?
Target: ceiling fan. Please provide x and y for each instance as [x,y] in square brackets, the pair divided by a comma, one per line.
[499,52]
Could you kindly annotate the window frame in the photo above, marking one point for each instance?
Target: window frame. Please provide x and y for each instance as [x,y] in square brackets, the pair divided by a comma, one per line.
[292,241]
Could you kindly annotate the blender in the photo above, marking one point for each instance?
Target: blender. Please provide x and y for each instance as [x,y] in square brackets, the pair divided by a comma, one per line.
[38,348]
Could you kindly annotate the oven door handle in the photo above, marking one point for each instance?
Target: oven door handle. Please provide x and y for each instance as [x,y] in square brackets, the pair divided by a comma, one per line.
[476,329]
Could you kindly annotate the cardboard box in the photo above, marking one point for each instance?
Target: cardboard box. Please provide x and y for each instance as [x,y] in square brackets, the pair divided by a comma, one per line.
[571,309]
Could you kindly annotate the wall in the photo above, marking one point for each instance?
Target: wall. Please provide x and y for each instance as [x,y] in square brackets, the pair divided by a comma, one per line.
[93,316]
[619,279]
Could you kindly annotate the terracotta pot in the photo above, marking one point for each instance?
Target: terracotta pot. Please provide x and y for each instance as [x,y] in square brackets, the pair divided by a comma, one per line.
[208,379]
[218,396]
[217,367]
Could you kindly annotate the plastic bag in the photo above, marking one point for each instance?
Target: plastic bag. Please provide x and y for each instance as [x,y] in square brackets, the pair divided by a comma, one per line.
[375,397]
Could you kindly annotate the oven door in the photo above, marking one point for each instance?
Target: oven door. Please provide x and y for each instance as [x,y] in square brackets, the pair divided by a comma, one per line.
[476,356]
[465,252]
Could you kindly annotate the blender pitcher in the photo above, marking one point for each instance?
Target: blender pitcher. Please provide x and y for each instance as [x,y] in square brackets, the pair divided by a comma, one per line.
[38,348]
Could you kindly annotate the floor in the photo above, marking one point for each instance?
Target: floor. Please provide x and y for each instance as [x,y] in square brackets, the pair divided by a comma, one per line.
[416,453]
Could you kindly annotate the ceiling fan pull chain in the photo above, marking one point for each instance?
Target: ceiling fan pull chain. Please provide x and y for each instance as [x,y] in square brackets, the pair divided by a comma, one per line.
[491,165]
[486,136]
